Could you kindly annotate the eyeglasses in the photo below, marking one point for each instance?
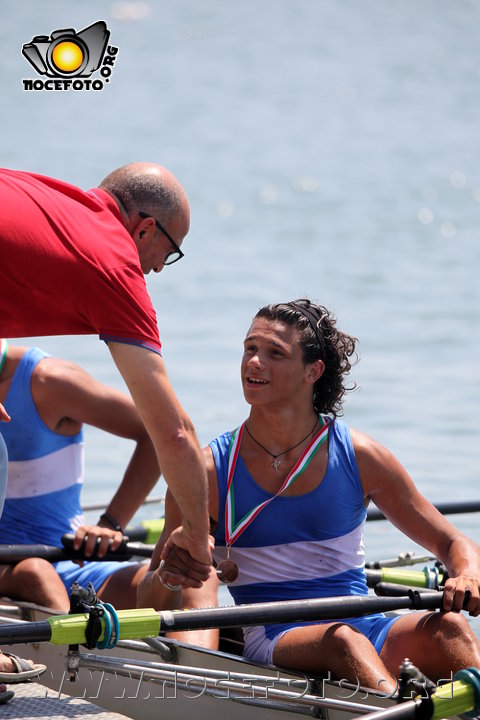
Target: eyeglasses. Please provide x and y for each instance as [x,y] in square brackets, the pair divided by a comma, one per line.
[172,256]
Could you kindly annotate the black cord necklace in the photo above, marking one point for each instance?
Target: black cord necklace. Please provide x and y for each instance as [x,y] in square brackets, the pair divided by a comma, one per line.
[276,462]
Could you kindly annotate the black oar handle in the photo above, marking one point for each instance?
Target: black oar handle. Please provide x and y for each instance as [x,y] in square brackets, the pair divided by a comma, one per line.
[386,589]
[295,611]
[123,552]
[26,632]
[13,554]
[136,533]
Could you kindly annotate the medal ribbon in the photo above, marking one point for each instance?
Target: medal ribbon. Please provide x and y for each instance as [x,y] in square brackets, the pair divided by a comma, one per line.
[233,530]
[3,352]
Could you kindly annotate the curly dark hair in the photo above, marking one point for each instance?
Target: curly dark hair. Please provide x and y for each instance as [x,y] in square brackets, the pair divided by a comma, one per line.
[320,340]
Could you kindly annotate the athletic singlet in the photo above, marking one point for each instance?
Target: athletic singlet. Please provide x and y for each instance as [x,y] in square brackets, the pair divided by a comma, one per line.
[45,477]
[45,469]
[300,546]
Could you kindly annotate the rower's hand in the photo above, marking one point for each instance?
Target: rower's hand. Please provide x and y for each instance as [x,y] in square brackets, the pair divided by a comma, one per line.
[97,537]
[178,567]
[462,592]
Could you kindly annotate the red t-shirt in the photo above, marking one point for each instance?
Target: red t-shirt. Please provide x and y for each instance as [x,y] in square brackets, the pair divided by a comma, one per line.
[68,266]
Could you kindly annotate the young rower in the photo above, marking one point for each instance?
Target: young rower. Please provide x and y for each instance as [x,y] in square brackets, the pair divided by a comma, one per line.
[288,495]
[50,400]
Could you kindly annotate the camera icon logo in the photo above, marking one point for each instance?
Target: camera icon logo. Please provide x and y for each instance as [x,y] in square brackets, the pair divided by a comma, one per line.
[68,54]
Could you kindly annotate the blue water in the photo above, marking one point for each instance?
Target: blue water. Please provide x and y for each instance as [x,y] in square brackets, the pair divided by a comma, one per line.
[330,148]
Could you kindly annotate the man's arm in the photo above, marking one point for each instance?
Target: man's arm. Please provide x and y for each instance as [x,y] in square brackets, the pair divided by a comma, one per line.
[66,396]
[173,564]
[174,438]
[387,483]
[153,593]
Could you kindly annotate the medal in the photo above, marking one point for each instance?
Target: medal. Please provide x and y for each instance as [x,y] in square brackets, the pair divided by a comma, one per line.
[227,571]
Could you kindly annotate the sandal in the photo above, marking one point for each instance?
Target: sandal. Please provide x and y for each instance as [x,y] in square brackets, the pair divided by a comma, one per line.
[23,670]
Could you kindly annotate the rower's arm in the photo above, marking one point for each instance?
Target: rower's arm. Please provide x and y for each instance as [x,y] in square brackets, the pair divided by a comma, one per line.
[174,438]
[387,483]
[66,397]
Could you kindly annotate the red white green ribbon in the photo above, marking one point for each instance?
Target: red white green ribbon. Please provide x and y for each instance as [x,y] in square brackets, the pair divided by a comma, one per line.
[3,352]
[233,530]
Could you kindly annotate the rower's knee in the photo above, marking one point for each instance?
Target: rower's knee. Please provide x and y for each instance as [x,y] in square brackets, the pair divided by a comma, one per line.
[347,641]
[35,572]
[36,580]
[35,568]
[451,626]
[453,637]
[356,659]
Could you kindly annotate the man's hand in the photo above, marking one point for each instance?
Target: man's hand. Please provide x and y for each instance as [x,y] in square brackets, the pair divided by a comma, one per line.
[198,546]
[96,537]
[178,567]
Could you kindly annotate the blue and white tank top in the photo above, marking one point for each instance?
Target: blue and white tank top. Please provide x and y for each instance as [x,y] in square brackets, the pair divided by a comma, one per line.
[301,546]
[45,469]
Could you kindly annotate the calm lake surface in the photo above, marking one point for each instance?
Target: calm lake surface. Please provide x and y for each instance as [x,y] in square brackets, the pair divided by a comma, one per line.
[330,149]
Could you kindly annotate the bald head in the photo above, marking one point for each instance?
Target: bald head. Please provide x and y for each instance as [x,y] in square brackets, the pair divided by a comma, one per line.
[150,188]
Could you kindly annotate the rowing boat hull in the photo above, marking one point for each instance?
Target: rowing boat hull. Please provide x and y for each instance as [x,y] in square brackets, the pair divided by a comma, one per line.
[173,679]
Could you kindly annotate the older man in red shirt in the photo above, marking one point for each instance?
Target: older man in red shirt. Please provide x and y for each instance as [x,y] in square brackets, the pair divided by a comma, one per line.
[72,262]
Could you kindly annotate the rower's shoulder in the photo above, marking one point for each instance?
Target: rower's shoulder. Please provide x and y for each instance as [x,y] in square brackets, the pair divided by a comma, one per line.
[367,448]
[54,377]
[208,458]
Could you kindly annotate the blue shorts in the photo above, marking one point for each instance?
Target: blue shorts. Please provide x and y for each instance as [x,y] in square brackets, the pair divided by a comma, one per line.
[260,640]
[94,572]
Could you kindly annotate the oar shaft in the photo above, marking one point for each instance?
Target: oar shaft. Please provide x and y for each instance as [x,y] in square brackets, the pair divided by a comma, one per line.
[126,549]
[26,632]
[446,508]
[386,589]
[402,560]
[13,554]
[294,611]
[145,622]
[426,578]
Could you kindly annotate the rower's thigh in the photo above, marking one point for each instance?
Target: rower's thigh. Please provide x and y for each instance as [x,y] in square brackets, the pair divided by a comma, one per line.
[436,642]
[120,589]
